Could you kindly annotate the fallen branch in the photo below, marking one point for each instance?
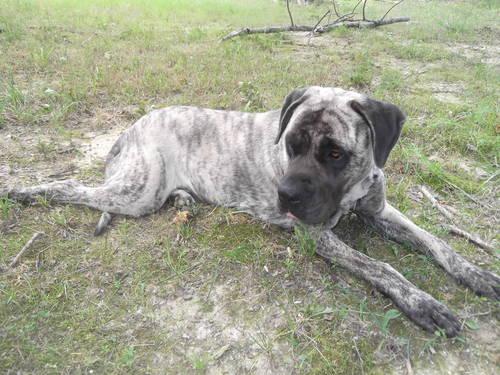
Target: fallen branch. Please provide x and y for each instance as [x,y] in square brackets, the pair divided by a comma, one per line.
[472,238]
[435,203]
[25,249]
[360,24]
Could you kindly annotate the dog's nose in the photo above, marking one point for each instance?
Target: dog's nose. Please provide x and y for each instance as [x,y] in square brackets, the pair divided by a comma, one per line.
[293,190]
[289,194]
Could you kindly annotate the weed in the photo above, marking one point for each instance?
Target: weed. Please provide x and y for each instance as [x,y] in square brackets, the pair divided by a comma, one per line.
[389,315]
[305,242]
[251,96]
[361,72]
[6,206]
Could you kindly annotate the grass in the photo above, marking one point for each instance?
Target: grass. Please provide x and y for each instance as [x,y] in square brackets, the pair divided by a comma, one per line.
[222,291]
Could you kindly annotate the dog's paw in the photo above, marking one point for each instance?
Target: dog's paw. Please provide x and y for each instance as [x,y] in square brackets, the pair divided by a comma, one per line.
[482,282]
[430,314]
[182,199]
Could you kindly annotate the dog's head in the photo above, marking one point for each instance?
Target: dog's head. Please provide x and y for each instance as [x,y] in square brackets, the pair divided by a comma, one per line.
[334,139]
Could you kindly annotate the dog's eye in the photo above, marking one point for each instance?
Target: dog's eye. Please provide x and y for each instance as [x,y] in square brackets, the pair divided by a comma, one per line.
[336,153]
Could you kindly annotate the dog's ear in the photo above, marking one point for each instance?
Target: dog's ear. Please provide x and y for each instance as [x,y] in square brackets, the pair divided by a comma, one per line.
[385,121]
[292,101]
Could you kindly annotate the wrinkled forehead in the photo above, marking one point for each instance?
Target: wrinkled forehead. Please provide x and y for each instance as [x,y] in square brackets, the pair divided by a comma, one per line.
[327,112]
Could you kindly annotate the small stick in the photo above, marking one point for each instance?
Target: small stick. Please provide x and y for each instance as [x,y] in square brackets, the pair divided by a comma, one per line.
[391,8]
[335,9]
[25,248]
[289,13]
[316,26]
[435,203]
[472,238]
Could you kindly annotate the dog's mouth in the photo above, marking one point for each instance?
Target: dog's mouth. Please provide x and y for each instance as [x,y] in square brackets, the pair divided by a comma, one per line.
[311,217]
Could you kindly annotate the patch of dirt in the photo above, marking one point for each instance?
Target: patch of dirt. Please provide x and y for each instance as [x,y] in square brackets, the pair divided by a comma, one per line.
[306,47]
[37,155]
[304,38]
[95,146]
[487,54]
[446,92]
[231,342]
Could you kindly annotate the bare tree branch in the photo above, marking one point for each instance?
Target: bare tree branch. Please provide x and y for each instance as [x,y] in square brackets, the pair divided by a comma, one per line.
[358,24]
[345,20]
[289,12]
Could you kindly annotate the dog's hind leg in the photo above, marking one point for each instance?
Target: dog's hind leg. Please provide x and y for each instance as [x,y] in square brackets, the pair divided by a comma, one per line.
[110,198]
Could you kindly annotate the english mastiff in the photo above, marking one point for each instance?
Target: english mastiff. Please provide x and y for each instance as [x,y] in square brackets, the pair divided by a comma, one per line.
[319,157]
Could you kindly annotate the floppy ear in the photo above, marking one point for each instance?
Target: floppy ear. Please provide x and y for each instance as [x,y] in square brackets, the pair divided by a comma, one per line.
[385,121]
[292,101]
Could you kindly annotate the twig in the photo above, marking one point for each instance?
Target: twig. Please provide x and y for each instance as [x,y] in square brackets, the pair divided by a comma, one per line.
[25,248]
[289,12]
[409,369]
[357,24]
[364,6]
[356,6]
[321,19]
[472,238]
[359,356]
[391,8]
[316,26]
[335,9]
[435,203]
[340,19]
[466,194]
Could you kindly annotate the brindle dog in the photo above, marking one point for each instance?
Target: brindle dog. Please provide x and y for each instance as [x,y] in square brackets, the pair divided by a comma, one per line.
[318,158]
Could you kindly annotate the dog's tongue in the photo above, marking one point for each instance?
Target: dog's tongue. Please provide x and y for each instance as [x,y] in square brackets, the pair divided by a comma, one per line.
[291,216]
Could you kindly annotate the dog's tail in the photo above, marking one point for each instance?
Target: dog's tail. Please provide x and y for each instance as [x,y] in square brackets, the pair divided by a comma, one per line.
[103,223]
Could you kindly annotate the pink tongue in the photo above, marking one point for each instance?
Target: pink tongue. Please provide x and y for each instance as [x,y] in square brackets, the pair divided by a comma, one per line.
[291,216]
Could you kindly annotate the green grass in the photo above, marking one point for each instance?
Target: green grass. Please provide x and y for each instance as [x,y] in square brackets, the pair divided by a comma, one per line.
[223,291]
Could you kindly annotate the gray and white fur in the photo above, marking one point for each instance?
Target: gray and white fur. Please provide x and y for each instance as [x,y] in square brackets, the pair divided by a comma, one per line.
[314,160]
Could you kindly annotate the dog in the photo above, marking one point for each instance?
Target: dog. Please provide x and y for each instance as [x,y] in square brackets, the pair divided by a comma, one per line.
[319,157]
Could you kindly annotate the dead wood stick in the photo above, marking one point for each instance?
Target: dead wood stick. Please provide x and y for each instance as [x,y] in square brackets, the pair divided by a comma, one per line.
[356,6]
[321,19]
[25,249]
[289,12]
[364,6]
[435,203]
[335,9]
[360,24]
[472,238]
[454,229]
[391,8]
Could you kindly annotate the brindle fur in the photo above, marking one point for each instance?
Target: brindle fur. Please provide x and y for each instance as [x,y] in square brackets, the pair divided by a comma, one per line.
[273,164]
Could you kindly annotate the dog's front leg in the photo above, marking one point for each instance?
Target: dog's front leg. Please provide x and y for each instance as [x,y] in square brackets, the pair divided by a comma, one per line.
[394,225]
[419,306]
